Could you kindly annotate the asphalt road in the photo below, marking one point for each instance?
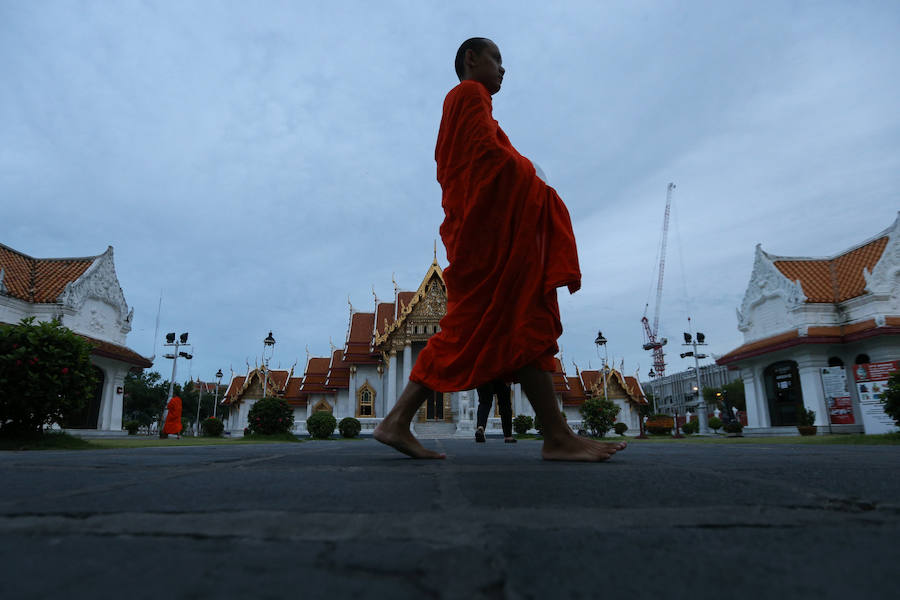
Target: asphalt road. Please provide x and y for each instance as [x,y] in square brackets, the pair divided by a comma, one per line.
[355,519]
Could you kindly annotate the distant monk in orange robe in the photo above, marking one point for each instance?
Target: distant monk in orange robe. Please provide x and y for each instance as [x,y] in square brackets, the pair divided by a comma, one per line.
[173,417]
[510,244]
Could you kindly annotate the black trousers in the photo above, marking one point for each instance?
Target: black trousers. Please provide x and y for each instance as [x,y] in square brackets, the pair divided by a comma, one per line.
[504,404]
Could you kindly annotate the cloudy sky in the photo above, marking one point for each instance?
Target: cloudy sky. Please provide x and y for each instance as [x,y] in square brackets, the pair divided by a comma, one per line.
[257,163]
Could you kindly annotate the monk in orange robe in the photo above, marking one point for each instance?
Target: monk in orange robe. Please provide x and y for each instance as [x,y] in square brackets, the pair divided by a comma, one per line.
[173,417]
[510,244]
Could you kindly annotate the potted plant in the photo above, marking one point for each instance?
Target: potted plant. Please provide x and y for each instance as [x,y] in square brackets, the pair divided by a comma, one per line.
[805,420]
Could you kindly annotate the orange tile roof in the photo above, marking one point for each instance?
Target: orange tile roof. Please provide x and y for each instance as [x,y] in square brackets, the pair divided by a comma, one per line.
[234,389]
[590,379]
[823,334]
[110,350]
[634,388]
[277,380]
[40,280]
[403,300]
[315,376]
[358,349]
[338,372]
[575,396]
[560,383]
[834,279]
[292,394]
[384,316]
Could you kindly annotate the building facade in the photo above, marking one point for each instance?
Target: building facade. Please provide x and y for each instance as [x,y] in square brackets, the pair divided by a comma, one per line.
[364,378]
[806,320]
[84,295]
[677,394]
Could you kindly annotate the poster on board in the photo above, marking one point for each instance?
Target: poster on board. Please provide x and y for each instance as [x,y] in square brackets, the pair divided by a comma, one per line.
[871,381]
[840,407]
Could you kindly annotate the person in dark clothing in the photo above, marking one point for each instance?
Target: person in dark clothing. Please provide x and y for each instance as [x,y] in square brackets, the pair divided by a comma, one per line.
[504,405]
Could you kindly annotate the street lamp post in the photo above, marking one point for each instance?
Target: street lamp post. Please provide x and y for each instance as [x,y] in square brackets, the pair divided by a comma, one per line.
[199,398]
[693,342]
[171,342]
[218,385]
[601,341]
[268,350]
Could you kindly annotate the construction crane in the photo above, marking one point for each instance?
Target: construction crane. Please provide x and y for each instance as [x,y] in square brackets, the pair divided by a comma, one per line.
[651,341]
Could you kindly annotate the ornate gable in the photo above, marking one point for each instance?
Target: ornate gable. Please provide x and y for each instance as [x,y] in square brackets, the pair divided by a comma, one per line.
[418,319]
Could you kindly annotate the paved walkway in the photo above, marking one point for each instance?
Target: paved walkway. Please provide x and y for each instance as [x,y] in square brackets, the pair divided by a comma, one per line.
[355,519]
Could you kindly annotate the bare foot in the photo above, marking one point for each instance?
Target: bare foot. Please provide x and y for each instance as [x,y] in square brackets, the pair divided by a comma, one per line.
[575,448]
[400,438]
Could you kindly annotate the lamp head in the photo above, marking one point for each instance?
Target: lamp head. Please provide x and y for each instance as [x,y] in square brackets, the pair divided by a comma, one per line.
[269,341]
[170,338]
[219,373]
[183,338]
[687,338]
[600,341]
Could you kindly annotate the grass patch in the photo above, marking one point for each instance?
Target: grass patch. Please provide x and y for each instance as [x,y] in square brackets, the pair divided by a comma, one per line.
[838,439]
[49,441]
[528,436]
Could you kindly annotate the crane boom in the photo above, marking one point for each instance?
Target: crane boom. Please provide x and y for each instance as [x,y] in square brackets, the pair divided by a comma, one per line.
[651,340]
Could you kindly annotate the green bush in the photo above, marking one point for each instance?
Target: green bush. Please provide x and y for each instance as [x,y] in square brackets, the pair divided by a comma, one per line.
[349,427]
[715,423]
[806,417]
[132,427]
[270,416]
[212,427]
[522,423]
[890,397]
[733,427]
[46,376]
[321,425]
[690,427]
[598,415]
[620,428]
[538,426]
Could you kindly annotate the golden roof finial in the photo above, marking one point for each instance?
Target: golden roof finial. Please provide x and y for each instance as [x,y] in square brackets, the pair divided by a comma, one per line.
[374,295]
[435,250]
[331,343]
[307,353]
[396,287]
[350,304]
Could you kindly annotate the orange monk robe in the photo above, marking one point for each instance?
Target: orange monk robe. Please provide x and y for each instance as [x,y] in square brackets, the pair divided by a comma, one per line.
[173,417]
[509,243]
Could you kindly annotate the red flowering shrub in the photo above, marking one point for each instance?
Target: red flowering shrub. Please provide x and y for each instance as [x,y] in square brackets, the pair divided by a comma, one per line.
[46,376]
[270,416]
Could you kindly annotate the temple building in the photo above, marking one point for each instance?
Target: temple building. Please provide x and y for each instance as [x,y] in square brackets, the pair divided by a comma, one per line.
[364,378]
[84,295]
[814,329]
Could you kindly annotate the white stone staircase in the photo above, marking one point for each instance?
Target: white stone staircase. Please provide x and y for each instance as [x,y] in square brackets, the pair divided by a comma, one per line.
[432,430]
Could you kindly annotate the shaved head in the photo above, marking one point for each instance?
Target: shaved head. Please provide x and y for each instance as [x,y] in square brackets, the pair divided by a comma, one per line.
[476,44]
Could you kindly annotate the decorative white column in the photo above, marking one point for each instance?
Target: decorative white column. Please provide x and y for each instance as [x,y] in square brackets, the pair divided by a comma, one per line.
[811,388]
[392,365]
[350,409]
[755,418]
[407,362]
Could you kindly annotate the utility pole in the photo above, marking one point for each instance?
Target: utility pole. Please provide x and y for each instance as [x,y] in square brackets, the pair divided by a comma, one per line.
[171,342]
[693,342]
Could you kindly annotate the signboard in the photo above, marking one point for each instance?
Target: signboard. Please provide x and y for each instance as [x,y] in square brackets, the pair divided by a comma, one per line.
[840,407]
[871,381]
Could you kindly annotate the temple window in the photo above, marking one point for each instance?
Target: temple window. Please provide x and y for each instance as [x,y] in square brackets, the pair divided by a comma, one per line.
[365,401]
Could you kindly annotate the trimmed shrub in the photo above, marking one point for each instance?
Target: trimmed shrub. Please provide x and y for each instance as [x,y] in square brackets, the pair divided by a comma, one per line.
[270,416]
[890,397]
[733,427]
[321,425]
[522,423]
[690,427]
[538,426]
[620,428]
[806,417]
[212,427]
[349,427]
[715,423]
[598,415]
[132,427]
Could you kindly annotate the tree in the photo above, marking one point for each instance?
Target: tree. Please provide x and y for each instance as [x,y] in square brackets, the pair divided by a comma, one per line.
[735,391]
[599,415]
[145,397]
[46,376]
[890,397]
